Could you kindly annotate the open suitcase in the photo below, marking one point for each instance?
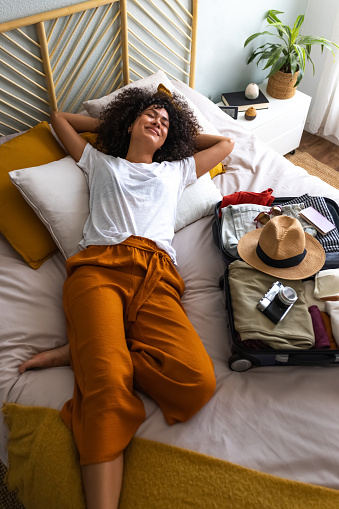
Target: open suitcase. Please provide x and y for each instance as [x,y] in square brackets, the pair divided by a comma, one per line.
[242,357]
[332,259]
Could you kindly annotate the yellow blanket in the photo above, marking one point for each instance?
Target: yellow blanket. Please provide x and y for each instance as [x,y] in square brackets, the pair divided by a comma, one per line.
[43,467]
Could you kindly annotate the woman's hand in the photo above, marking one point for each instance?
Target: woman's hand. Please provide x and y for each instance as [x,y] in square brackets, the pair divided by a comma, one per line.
[51,358]
[211,151]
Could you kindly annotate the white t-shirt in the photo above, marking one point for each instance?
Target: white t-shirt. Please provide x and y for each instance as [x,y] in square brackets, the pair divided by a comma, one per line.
[133,198]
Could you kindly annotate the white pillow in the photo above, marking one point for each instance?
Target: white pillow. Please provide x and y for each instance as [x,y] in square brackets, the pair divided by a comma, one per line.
[197,200]
[94,106]
[208,109]
[58,193]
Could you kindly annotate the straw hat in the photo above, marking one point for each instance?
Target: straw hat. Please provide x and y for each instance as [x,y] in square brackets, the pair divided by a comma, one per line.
[282,249]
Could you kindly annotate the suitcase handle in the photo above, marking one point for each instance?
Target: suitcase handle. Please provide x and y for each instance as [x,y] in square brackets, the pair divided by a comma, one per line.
[315,360]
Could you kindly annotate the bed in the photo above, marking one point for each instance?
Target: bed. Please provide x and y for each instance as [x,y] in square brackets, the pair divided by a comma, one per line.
[276,421]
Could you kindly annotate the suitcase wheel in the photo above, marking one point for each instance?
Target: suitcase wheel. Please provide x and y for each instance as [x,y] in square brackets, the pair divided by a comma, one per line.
[237,363]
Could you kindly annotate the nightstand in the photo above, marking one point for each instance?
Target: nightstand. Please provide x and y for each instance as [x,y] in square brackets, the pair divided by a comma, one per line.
[280,125]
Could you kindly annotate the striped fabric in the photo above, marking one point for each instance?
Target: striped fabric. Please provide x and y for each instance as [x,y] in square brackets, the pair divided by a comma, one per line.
[330,241]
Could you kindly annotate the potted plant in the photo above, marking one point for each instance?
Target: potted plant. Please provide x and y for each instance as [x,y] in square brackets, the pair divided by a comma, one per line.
[286,55]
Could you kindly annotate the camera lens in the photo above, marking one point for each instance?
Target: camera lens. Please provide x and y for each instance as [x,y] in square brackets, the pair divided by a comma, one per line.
[287,295]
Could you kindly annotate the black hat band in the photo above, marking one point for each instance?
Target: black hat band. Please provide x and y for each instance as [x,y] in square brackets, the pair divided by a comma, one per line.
[293,261]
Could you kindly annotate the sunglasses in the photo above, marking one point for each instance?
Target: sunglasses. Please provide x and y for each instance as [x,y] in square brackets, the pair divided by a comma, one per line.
[264,217]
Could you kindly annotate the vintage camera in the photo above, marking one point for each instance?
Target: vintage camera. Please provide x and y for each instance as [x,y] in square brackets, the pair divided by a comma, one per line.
[277,301]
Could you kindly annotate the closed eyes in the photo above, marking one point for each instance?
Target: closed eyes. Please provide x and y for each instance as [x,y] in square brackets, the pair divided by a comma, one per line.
[163,120]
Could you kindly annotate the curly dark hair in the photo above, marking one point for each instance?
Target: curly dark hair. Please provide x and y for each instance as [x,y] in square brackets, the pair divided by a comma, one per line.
[113,137]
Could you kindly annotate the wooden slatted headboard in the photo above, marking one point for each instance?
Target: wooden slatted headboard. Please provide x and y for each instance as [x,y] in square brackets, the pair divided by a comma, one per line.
[58,59]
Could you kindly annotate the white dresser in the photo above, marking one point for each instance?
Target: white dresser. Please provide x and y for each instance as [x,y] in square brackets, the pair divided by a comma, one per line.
[280,125]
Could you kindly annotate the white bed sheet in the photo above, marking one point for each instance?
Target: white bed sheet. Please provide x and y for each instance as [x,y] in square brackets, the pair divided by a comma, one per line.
[283,421]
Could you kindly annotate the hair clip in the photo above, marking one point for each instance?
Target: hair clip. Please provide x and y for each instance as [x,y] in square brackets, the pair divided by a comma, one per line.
[163,89]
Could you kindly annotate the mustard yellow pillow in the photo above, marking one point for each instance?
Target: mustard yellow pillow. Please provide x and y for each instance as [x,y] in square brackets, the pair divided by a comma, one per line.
[217,170]
[89,137]
[18,222]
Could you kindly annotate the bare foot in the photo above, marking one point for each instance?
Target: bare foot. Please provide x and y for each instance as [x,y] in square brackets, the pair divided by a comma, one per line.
[57,357]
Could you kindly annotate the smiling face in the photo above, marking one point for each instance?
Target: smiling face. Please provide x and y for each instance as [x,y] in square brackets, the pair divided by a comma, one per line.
[151,127]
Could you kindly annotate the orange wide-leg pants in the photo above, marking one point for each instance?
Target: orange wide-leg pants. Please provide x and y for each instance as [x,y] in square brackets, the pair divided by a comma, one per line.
[128,331]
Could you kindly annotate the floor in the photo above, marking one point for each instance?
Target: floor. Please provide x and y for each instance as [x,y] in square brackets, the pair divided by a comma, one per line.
[321,149]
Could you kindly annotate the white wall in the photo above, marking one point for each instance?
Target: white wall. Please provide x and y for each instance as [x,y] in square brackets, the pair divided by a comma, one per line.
[16,9]
[223,27]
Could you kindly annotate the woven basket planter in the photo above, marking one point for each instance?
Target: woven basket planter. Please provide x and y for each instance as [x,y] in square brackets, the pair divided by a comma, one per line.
[281,85]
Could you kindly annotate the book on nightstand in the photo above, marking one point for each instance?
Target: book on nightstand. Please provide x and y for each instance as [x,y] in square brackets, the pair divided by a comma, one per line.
[239,99]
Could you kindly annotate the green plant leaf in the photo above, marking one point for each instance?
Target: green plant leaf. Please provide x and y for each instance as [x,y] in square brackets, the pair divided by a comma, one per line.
[268,44]
[301,56]
[289,33]
[254,55]
[293,64]
[308,56]
[309,59]
[294,49]
[300,77]
[265,51]
[256,35]
[309,40]
[296,28]
[272,18]
[282,28]
[264,56]
[274,56]
[277,66]
[299,22]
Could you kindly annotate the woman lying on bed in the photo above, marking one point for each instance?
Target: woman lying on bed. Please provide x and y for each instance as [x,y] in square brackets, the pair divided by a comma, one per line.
[127,329]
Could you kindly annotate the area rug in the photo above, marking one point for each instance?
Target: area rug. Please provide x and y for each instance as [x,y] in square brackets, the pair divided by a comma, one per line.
[7,500]
[46,473]
[314,167]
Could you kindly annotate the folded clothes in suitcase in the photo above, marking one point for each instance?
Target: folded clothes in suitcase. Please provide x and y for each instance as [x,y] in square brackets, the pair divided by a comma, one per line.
[291,206]
[291,345]
[264,333]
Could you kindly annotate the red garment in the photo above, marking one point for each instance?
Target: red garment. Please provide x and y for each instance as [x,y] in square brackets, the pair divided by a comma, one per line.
[263,198]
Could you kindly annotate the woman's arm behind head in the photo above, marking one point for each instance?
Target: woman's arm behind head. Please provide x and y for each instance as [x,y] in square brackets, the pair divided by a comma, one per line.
[67,126]
[211,151]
